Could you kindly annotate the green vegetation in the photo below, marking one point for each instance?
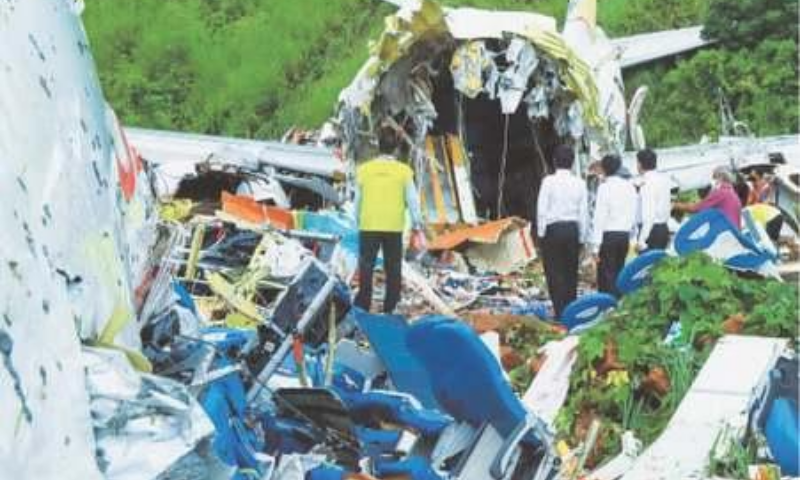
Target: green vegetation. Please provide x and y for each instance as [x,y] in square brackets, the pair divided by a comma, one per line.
[254,68]
[629,378]
[754,68]
[739,455]
[226,67]
[626,17]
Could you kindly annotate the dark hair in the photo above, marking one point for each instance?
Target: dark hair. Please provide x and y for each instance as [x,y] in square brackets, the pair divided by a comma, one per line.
[647,159]
[610,164]
[563,157]
[387,141]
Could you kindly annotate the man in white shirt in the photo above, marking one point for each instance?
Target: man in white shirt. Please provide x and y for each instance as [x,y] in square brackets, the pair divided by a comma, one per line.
[655,204]
[561,226]
[614,220]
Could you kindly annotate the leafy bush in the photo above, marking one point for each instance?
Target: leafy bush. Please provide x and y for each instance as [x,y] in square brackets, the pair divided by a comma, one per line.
[628,377]
[760,85]
[628,17]
[745,23]
[754,67]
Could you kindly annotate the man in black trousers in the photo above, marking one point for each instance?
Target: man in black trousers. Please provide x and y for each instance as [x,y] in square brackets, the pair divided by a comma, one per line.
[614,220]
[385,191]
[655,204]
[561,226]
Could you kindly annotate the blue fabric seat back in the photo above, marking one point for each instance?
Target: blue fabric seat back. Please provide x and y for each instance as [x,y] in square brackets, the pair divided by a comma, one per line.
[327,472]
[466,378]
[636,273]
[387,336]
[587,309]
[224,402]
[704,228]
[414,468]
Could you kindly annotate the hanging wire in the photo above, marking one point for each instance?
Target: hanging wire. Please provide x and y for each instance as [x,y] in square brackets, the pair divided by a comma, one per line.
[501,178]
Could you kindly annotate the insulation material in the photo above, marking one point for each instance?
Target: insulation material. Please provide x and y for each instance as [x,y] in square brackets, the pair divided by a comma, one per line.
[459,163]
[582,34]
[548,391]
[468,66]
[438,196]
[75,195]
[522,61]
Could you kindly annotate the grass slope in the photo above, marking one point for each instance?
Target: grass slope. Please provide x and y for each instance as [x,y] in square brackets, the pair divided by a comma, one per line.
[253,68]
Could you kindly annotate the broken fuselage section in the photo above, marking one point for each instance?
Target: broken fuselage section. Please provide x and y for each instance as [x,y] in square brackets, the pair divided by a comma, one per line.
[481,99]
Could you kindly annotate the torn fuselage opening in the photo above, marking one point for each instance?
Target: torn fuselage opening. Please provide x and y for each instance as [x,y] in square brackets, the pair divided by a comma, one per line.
[509,156]
[504,102]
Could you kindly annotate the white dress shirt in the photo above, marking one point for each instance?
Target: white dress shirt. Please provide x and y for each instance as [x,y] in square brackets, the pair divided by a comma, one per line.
[562,198]
[614,209]
[655,203]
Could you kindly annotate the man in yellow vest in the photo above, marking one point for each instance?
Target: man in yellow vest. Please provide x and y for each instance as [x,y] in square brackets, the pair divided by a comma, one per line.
[384,191]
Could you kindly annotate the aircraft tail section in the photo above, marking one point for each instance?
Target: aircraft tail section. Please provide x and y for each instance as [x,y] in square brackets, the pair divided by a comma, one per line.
[585,10]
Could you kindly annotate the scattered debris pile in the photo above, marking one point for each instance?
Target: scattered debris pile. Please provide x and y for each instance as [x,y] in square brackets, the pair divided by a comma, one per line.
[249,313]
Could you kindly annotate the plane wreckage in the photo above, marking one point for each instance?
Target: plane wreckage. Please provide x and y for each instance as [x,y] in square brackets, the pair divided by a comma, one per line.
[176,305]
[482,97]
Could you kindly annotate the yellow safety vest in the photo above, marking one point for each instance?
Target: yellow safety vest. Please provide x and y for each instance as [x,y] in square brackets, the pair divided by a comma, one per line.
[383,187]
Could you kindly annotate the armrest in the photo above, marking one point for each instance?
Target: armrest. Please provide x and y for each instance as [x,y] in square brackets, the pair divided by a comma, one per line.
[530,425]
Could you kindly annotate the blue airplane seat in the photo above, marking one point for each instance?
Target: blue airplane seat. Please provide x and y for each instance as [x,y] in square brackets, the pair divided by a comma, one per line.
[702,230]
[587,309]
[224,402]
[287,435]
[636,273]
[466,378]
[705,228]
[387,336]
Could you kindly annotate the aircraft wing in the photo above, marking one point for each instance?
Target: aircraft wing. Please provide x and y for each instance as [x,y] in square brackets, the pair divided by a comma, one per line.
[690,167]
[167,147]
[638,49]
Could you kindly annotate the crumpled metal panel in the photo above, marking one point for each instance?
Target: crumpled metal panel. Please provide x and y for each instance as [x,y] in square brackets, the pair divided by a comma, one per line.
[143,423]
[74,197]
[690,167]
